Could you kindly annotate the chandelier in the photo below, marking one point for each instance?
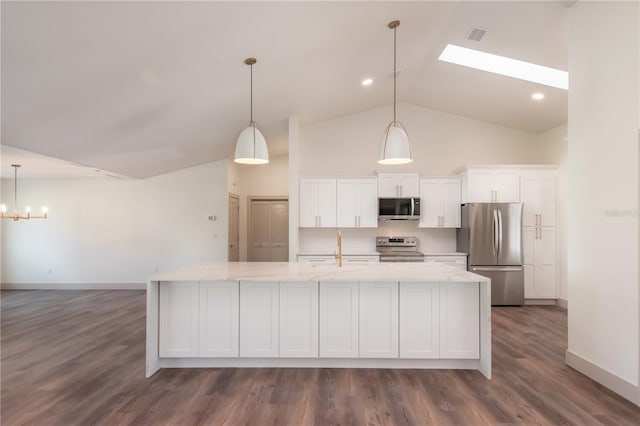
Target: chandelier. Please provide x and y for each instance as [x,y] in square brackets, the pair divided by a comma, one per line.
[16,215]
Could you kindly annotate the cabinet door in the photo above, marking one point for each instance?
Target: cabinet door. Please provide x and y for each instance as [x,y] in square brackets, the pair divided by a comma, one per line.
[338,320]
[479,186]
[547,209]
[451,203]
[178,324]
[506,184]
[545,268]
[219,307]
[347,203]
[259,319]
[388,185]
[378,319]
[529,241]
[367,203]
[419,320]
[530,197]
[431,203]
[308,203]
[327,203]
[409,184]
[459,320]
[298,320]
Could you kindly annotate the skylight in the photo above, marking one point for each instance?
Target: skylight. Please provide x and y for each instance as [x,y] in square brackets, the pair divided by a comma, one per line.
[505,66]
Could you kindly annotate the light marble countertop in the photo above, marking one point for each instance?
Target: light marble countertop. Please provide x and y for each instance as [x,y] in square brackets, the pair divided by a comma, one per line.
[298,271]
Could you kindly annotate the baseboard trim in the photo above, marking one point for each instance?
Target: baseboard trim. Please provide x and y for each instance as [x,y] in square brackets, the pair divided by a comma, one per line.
[73,286]
[563,303]
[539,301]
[603,376]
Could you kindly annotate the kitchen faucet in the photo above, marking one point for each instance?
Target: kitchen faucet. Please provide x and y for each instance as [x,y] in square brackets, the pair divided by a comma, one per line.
[339,255]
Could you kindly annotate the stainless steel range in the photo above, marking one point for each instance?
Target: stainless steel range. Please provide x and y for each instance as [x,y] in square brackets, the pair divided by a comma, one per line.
[398,249]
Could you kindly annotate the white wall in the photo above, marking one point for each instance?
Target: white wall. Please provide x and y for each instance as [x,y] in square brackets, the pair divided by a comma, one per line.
[604,119]
[115,231]
[440,142]
[264,180]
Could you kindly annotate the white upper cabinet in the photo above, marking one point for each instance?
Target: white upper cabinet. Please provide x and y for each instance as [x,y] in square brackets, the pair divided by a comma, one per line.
[538,195]
[439,203]
[490,185]
[317,203]
[357,203]
[397,185]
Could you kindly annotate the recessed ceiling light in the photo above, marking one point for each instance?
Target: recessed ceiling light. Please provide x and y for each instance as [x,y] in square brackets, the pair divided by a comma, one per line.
[505,66]
[367,81]
[537,96]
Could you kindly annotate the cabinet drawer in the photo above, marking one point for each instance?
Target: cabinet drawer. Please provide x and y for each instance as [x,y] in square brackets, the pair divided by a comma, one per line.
[317,259]
[457,261]
[360,259]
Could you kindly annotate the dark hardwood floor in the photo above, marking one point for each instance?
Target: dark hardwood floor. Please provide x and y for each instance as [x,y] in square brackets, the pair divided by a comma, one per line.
[77,358]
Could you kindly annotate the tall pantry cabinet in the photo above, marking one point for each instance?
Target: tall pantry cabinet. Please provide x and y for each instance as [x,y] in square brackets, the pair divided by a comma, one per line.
[538,195]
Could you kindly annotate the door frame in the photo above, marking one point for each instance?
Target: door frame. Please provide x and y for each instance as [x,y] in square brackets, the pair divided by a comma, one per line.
[250,200]
[237,197]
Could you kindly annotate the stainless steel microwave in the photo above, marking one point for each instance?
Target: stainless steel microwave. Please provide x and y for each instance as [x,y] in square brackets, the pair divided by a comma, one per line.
[398,208]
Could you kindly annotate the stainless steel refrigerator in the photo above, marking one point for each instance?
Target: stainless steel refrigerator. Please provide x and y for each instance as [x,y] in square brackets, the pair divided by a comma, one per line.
[491,234]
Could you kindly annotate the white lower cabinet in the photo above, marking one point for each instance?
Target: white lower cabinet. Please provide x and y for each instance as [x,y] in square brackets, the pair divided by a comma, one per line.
[219,321]
[539,249]
[410,320]
[338,319]
[179,321]
[378,319]
[419,320]
[259,319]
[298,320]
[459,320]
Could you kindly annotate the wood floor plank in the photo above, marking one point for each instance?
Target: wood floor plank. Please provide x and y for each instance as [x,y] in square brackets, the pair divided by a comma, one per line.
[77,358]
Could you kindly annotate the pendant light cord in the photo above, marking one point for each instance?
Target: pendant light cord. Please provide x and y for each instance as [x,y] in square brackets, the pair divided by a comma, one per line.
[394,74]
[15,187]
[251,91]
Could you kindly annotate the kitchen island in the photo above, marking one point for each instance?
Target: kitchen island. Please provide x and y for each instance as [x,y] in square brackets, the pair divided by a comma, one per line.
[267,314]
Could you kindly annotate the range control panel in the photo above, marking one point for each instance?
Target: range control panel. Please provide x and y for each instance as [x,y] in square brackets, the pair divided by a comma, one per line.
[396,241]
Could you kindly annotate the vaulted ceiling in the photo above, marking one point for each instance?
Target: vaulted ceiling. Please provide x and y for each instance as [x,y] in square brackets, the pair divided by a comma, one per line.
[142,88]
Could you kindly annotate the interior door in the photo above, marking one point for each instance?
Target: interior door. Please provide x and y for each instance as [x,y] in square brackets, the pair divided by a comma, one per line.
[234,228]
[269,231]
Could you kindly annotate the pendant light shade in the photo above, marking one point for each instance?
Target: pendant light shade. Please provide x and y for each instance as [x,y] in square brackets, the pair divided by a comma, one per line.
[251,146]
[395,147]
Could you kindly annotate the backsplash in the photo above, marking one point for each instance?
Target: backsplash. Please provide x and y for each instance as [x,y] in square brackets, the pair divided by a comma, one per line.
[362,240]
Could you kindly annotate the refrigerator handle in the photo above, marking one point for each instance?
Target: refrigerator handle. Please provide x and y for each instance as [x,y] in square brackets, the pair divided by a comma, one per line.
[499,232]
[495,232]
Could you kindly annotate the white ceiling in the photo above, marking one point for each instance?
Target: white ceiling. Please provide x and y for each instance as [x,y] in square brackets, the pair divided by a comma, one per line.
[142,88]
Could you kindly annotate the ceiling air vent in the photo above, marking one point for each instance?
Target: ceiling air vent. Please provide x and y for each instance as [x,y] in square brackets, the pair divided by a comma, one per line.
[476,34]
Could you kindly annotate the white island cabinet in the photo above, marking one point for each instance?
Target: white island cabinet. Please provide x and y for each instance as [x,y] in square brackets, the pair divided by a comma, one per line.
[338,319]
[268,314]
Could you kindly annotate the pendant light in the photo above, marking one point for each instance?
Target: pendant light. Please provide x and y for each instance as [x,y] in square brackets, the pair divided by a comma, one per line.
[251,147]
[395,147]
[16,215]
